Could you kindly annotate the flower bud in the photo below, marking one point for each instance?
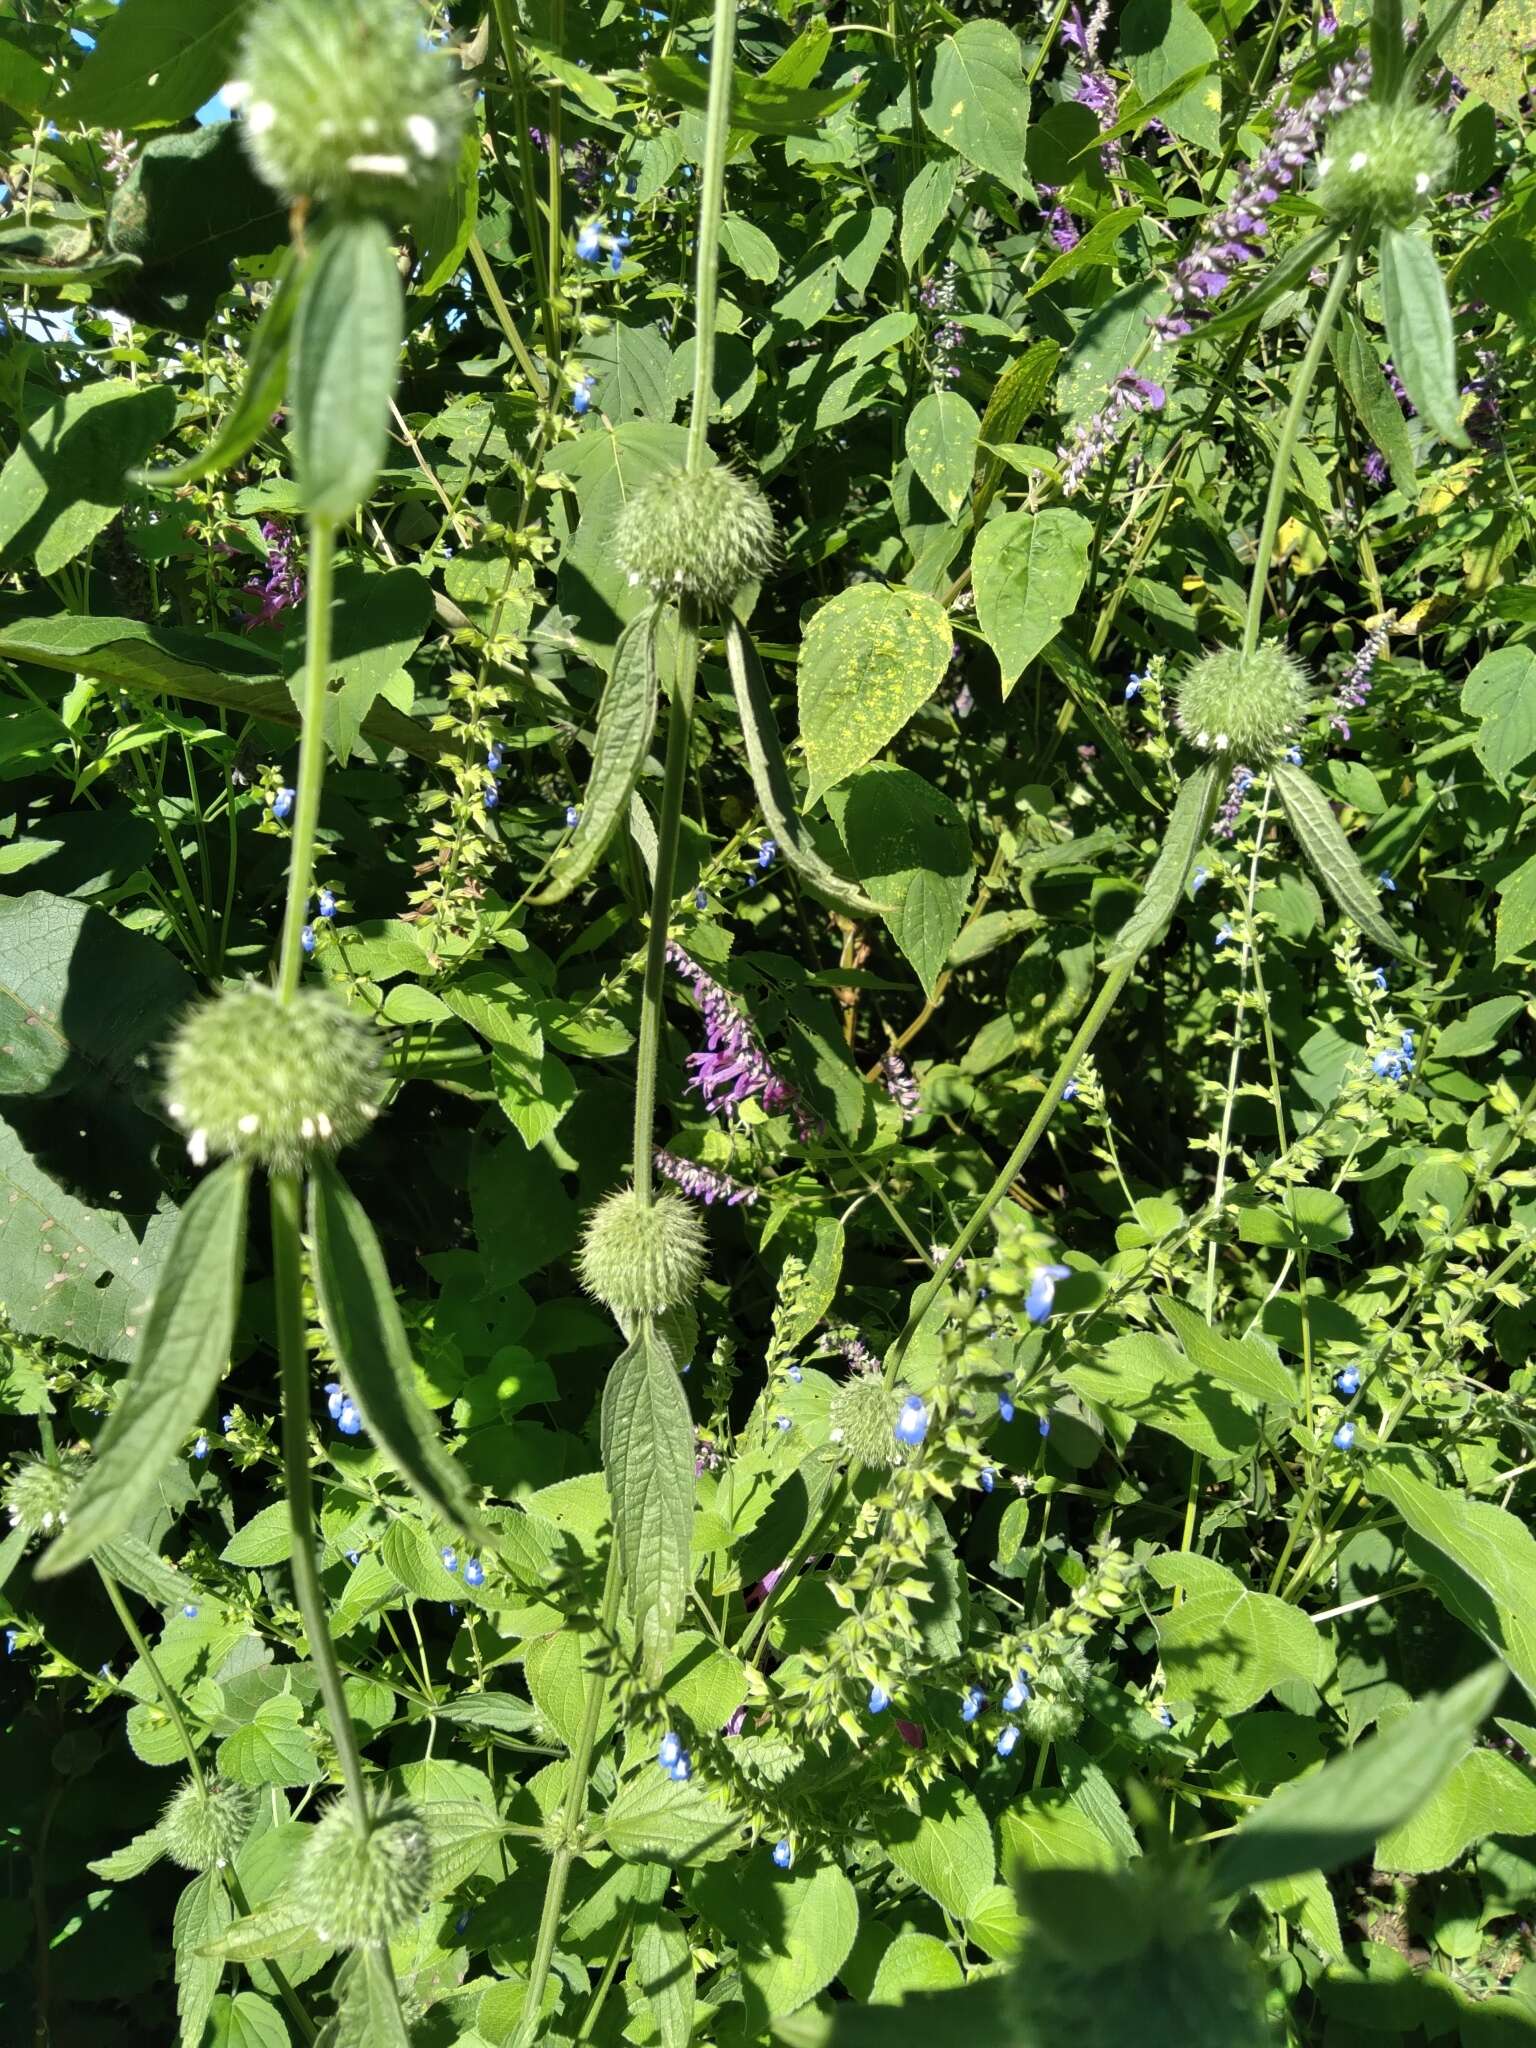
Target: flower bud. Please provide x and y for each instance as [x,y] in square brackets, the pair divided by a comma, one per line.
[37,1494]
[1245,705]
[1382,164]
[698,536]
[202,1826]
[642,1260]
[346,104]
[276,1083]
[362,1889]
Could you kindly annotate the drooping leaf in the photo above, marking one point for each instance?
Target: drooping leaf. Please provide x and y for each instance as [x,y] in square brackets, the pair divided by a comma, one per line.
[1164,891]
[1225,1646]
[202,1913]
[661,1967]
[362,1320]
[871,657]
[342,366]
[1417,311]
[770,779]
[1028,570]
[975,99]
[647,1436]
[66,477]
[926,201]
[626,719]
[183,1352]
[945,1847]
[941,443]
[1321,838]
[1240,1364]
[1016,397]
[1501,691]
[910,843]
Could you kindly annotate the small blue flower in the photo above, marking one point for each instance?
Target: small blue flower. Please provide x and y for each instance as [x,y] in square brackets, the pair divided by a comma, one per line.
[1165,1715]
[581,397]
[783,1422]
[492,796]
[1044,1425]
[307,938]
[1198,880]
[474,1573]
[334,1398]
[1385,881]
[682,1770]
[282,804]
[1344,1437]
[766,853]
[572,817]
[461,1925]
[794,1373]
[190,1610]
[452,1610]
[11,1636]
[973,1704]
[1348,1381]
[450,1558]
[1133,687]
[1016,1696]
[1222,938]
[1293,755]
[912,1422]
[988,1479]
[1069,1093]
[879,1699]
[616,260]
[1379,976]
[494,756]
[327,903]
[701,899]
[350,1421]
[200,1448]
[1004,1408]
[783,1854]
[354,1558]
[1042,1291]
[1008,1740]
[228,1422]
[668,1750]
[589,242]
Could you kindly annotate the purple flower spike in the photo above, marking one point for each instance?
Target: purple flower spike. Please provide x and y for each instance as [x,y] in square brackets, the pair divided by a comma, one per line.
[733,1065]
[900,1086]
[704,1183]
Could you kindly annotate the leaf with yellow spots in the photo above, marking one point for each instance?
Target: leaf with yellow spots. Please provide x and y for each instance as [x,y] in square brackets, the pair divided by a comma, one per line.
[941,440]
[976,99]
[870,659]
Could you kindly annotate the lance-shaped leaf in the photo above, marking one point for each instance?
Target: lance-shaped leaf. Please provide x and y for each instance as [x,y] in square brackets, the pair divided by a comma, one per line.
[647,1436]
[770,778]
[1170,874]
[260,396]
[626,718]
[1417,312]
[1290,270]
[184,1350]
[357,1307]
[346,351]
[1321,838]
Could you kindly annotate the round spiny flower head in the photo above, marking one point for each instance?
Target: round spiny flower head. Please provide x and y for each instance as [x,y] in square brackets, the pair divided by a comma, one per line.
[1383,164]
[1246,705]
[346,104]
[276,1083]
[864,1415]
[358,1889]
[37,1494]
[640,1260]
[203,1828]
[698,536]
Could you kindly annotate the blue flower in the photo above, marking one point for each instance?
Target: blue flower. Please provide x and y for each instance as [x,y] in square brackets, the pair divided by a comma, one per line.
[1165,1715]
[307,938]
[1379,976]
[581,397]
[1348,1381]
[1042,1291]
[327,903]
[494,757]
[701,899]
[1133,687]
[200,1448]
[228,1422]
[1198,880]
[1293,755]
[766,852]
[793,1372]
[783,1422]
[333,1401]
[1044,1425]
[988,1479]
[349,1421]
[974,1703]
[669,1750]
[460,1925]
[879,1699]
[1344,1437]
[572,817]
[783,1854]
[1008,1740]
[450,1558]
[474,1573]
[1016,1696]
[1385,881]
[589,242]
[11,1635]
[1004,1408]
[282,804]
[1222,938]
[682,1770]
[1069,1093]
[354,1558]
[492,796]
[912,1422]
[190,1610]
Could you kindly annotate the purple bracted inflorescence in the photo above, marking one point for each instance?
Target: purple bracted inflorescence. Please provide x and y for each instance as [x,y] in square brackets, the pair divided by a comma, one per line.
[280,584]
[1226,818]
[1093,439]
[1095,89]
[1234,234]
[704,1183]
[1356,687]
[900,1086]
[733,1064]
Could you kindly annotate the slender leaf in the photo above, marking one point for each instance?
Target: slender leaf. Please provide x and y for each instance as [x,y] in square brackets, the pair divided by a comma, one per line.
[770,778]
[1290,270]
[1321,838]
[185,1349]
[1148,922]
[346,349]
[626,720]
[1417,310]
[358,1310]
[647,1436]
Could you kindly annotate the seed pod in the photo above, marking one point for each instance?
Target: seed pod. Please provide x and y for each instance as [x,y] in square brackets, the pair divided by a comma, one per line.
[276,1083]
[362,1889]
[1382,164]
[701,536]
[1246,705]
[640,1259]
[203,1826]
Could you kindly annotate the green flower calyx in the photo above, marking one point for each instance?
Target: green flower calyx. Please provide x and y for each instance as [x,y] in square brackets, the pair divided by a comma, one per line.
[279,1084]
[701,536]
[1247,705]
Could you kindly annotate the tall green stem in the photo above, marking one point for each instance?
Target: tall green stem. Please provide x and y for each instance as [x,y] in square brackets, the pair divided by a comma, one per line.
[1290,433]
[1034,1130]
[306,802]
[722,59]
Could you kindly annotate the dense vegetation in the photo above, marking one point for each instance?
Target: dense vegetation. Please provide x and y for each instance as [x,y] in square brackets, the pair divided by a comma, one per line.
[767,886]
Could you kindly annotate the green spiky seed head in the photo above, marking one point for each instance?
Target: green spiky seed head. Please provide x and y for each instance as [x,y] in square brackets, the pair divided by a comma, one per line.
[640,1260]
[202,1827]
[1382,164]
[279,1084]
[1247,705]
[698,536]
[346,104]
[37,1494]
[361,1889]
[863,1416]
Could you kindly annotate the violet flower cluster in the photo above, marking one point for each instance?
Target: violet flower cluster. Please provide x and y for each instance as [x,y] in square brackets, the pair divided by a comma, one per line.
[1234,234]
[1232,803]
[733,1065]
[280,585]
[900,1085]
[940,295]
[1096,89]
[704,1183]
[1356,687]
[1092,440]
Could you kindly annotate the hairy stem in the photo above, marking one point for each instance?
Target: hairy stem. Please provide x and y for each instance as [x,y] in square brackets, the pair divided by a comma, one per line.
[306,802]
